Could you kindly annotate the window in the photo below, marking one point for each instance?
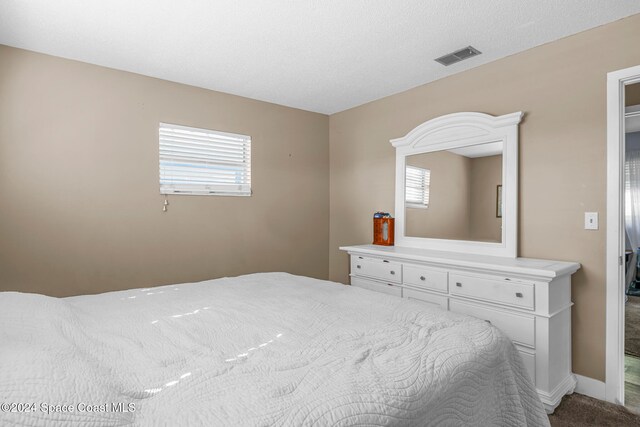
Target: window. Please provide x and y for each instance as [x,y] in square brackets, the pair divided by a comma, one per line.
[417,187]
[201,161]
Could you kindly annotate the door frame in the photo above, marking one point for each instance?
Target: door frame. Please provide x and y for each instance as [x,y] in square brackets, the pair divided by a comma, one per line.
[615,296]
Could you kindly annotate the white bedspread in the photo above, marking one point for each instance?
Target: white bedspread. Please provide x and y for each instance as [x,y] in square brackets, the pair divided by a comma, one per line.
[263,349]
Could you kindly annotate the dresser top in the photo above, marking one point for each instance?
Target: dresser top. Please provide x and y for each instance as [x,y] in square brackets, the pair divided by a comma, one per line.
[523,266]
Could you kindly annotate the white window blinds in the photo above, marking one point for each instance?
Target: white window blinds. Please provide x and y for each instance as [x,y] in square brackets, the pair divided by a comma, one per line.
[201,161]
[417,187]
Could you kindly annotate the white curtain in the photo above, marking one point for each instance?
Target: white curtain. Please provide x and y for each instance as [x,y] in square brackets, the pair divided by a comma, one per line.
[632,198]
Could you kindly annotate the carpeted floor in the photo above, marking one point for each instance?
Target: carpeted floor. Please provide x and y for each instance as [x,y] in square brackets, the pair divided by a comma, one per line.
[632,327]
[577,410]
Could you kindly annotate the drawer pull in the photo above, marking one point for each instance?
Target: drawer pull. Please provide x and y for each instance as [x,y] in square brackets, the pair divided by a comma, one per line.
[360,257]
[384,260]
[423,278]
[393,272]
[488,321]
[357,266]
[389,284]
[519,294]
[458,284]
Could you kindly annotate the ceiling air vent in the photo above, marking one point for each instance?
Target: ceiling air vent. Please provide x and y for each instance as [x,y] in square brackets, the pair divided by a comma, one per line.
[458,56]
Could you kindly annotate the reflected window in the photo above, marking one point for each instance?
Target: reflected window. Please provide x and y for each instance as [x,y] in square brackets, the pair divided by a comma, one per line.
[417,187]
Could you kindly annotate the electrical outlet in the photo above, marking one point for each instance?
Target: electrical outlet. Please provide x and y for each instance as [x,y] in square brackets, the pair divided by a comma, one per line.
[591,220]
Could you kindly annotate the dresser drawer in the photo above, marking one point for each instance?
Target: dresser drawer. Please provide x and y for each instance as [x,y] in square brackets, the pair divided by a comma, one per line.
[440,300]
[520,328]
[515,294]
[377,287]
[386,271]
[424,277]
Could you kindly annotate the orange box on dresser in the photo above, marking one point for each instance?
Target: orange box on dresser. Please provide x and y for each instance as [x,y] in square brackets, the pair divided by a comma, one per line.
[383,231]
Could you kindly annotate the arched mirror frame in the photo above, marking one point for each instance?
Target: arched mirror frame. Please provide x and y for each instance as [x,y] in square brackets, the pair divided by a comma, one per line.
[455,131]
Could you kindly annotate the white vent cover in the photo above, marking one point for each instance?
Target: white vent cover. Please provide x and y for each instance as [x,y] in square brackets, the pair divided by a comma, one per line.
[458,56]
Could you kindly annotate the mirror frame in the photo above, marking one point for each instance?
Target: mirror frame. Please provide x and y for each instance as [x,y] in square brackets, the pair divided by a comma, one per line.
[454,131]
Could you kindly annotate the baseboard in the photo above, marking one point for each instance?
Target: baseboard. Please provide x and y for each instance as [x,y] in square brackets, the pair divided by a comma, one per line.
[590,387]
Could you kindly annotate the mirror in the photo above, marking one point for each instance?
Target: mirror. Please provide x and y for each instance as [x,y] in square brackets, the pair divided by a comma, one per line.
[455,194]
[456,184]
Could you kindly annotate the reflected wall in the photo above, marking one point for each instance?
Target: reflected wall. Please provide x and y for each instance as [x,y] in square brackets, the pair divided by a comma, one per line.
[463,197]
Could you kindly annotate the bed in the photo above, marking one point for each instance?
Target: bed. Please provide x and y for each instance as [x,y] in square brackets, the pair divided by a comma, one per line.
[268,349]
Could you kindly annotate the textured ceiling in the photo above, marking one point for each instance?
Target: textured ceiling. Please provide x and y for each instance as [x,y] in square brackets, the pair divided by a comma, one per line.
[318,55]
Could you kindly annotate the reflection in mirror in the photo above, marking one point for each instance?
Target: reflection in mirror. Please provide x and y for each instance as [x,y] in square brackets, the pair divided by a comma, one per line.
[454,194]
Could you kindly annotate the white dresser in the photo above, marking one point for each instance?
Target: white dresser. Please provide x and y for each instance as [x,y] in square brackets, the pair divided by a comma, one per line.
[528,299]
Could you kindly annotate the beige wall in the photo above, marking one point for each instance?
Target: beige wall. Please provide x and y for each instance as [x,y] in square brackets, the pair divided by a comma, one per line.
[447,216]
[80,209]
[632,94]
[562,89]
[485,176]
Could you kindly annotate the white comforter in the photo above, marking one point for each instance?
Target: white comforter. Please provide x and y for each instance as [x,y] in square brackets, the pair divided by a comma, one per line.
[263,349]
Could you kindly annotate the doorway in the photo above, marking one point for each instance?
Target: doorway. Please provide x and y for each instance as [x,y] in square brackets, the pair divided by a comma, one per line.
[622,370]
[632,247]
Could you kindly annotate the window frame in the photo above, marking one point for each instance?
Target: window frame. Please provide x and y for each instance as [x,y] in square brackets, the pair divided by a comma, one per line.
[203,162]
[425,188]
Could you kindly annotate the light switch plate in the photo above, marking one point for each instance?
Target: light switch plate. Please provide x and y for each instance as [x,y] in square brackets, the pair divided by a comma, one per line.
[591,220]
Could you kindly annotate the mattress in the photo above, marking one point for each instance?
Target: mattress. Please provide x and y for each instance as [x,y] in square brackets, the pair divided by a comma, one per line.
[269,349]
